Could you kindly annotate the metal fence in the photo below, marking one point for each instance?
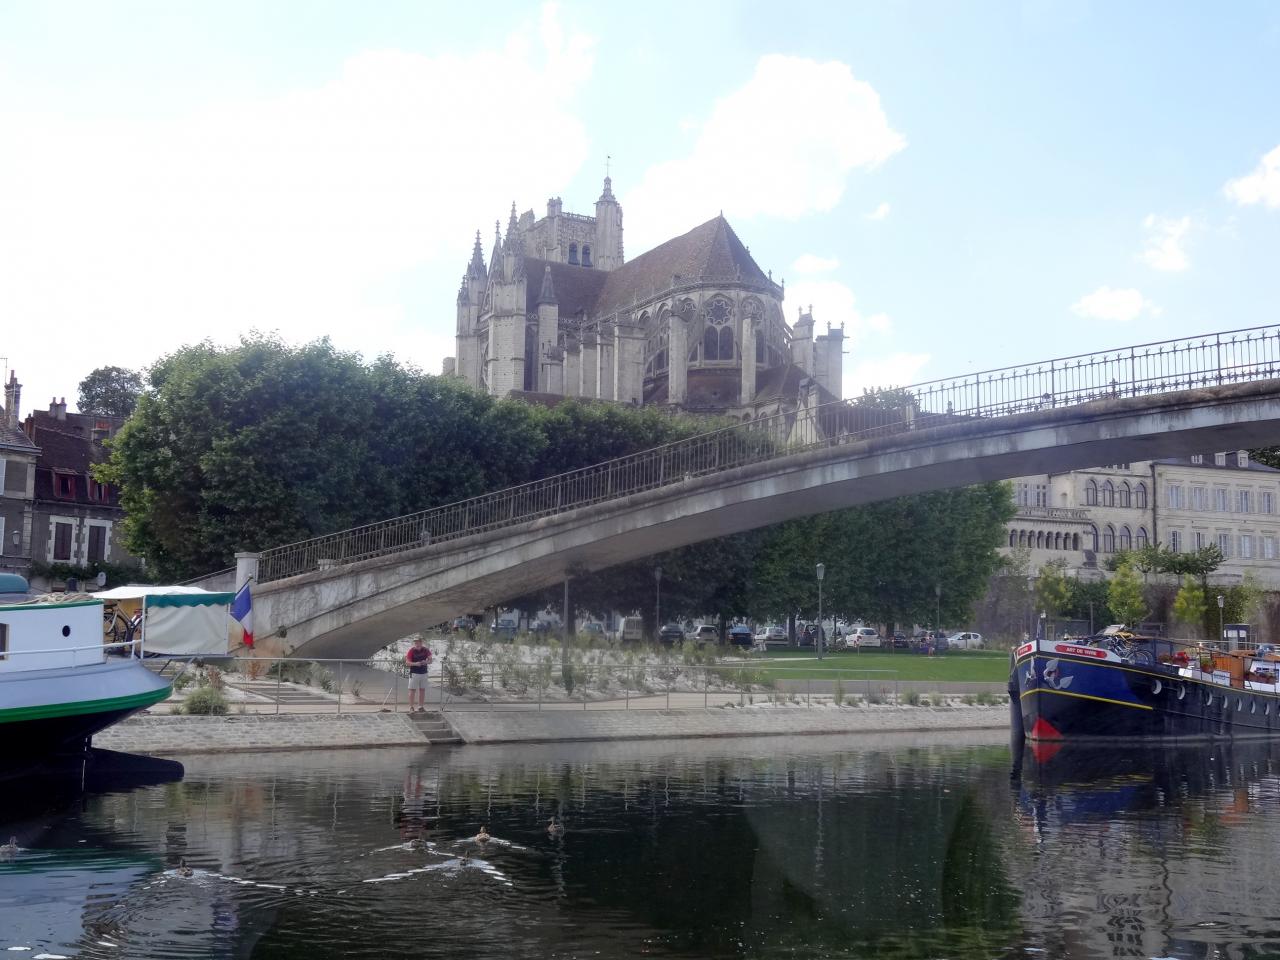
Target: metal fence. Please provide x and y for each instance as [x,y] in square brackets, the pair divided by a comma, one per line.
[1139,371]
[282,686]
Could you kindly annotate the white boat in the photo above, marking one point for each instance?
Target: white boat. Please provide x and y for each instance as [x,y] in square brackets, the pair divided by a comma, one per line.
[59,682]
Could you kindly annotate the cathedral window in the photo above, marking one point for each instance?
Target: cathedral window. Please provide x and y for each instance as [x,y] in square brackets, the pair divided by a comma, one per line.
[573,253]
[586,254]
[760,354]
[711,344]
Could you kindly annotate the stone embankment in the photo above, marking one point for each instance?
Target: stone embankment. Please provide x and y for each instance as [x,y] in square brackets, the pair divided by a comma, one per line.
[159,735]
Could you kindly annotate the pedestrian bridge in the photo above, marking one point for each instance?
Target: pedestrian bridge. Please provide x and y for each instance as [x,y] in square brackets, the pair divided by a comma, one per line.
[348,593]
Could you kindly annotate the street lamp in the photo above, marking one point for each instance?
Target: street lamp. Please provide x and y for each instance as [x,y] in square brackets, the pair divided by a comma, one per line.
[1031,585]
[822,569]
[1221,602]
[937,596]
[657,603]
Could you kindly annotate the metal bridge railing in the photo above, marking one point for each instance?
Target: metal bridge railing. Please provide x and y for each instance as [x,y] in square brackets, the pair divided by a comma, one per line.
[1145,370]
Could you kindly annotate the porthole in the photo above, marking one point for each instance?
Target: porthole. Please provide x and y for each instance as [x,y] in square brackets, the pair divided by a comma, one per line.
[1156,687]
[1208,699]
[66,631]
[1239,704]
[1253,706]
[1182,691]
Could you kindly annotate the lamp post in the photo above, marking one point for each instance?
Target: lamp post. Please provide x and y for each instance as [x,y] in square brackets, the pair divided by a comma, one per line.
[1221,603]
[937,597]
[1031,584]
[822,569]
[657,603]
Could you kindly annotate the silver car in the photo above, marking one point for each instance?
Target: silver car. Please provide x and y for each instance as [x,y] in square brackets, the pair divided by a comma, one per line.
[965,641]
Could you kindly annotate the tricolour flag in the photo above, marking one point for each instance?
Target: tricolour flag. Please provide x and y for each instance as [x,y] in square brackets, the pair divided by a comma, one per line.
[242,613]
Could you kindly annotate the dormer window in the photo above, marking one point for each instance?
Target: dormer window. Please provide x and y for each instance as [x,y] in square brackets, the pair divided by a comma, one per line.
[64,485]
[99,492]
[1242,459]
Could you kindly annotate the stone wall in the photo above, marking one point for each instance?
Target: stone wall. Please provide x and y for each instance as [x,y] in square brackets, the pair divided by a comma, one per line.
[158,735]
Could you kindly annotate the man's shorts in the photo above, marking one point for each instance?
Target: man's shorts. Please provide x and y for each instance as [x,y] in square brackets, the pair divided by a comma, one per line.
[417,681]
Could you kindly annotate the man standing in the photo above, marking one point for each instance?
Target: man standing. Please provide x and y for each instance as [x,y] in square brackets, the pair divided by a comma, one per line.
[419,659]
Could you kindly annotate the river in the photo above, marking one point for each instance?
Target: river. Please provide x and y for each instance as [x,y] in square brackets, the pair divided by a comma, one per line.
[893,846]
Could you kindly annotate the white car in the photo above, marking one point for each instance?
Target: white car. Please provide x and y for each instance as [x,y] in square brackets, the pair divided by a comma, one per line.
[704,633]
[965,641]
[773,633]
[860,637]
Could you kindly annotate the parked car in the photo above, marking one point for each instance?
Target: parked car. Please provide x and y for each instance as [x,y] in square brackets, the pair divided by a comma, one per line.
[631,630]
[859,637]
[505,625]
[900,641]
[671,633]
[933,646]
[592,628]
[462,625]
[705,633]
[966,640]
[773,633]
[740,635]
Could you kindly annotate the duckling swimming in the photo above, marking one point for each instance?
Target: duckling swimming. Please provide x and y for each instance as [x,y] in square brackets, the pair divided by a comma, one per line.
[183,870]
[9,849]
[555,828]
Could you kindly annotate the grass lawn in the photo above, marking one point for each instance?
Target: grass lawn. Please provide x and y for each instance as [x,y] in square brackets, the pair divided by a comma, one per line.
[959,666]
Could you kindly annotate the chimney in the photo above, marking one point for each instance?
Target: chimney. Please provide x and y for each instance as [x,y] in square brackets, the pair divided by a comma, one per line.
[12,400]
[58,408]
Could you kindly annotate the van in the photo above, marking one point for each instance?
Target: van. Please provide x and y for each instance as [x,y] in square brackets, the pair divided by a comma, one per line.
[631,630]
[859,637]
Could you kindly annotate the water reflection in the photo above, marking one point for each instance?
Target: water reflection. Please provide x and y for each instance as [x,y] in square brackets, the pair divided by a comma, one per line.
[897,847]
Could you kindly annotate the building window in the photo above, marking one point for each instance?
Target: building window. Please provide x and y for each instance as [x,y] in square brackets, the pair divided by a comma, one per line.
[1198,540]
[1108,539]
[1266,502]
[1200,498]
[1042,495]
[1108,494]
[97,544]
[64,485]
[760,355]
[1268,548]
[1140,541]
[573,253]
[61,541]
[1242,459]
[1092,534]
[100,492]
[1220,459]
[586,254]
[1174,496]
[3,462]
[1013,538]
[1126,539]
[1224,544]
[1197,458]
[1244,501]
[1246,546]
[1075,541]
[1220,501]
[1125,494]
[1175,541]
[1140,496]
[1021,496]
[1091,493]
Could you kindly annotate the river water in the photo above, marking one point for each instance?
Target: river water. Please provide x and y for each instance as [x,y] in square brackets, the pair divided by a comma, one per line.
[894,846]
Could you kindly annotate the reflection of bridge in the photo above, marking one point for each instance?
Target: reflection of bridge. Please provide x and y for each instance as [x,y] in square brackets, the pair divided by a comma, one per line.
[360,588]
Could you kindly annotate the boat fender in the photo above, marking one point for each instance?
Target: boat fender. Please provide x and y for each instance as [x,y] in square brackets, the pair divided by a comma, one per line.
[1156,686]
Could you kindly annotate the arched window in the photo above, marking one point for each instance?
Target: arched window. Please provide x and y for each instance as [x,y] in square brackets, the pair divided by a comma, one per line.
[573,253]
[1022,538]
[586,254]
[759,347]
[1125,494]
[1057,541]
[1040,540]
[1126,538]
[1091,493]
[1108,494]
[1075,541]
[1140,496]
[1013,538]
[1141,541]
[1092,538]
[711,344]
[1108,539]
[726,343]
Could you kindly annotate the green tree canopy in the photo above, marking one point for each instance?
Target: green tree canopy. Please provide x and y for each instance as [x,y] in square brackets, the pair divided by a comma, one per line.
[1124,595]
[110,391]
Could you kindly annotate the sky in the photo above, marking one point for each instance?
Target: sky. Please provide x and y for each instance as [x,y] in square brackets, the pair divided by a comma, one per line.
[962,185]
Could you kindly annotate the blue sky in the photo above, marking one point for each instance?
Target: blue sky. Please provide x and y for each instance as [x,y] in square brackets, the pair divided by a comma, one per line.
[963,185]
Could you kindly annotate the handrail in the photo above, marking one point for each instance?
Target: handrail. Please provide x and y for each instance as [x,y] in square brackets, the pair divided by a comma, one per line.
[1144,370]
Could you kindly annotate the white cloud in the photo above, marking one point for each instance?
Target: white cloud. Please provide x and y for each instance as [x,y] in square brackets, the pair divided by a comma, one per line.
[885,370]
[318,211]
[1262,186]
[811,263]
[880,212]
[823,124]
[1107,303]
[1165,240]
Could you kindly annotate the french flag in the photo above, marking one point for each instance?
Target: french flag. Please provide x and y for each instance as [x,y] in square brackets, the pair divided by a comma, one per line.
[242,613]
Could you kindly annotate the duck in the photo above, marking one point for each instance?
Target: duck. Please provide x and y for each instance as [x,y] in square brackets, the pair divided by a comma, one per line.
[482,836]
[9,849]
[417,843]
[183,870]
[555,828]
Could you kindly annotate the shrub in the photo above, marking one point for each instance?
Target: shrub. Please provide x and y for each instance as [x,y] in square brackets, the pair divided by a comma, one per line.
[205,701]
[984,699]
[875,696]
[567,677]
[912,699]
[254,668]
[837,693]
[322,677]
[183,680]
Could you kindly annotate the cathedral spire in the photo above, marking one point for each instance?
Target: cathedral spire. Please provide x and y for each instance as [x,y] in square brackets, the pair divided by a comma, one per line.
[548,294]
[608,189]
[511,225]
[476,268]
[497,246]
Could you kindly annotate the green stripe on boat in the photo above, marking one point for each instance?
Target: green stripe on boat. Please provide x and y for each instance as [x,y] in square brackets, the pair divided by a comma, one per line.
[47,711]
[50,606]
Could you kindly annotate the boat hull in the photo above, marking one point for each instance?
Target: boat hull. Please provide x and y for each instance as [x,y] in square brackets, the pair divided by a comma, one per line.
[44,712]
[1076,696]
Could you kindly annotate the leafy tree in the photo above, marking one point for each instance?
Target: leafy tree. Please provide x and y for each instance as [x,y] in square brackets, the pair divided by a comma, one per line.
[1124,595]
[110,391]
[1053,587]
[1189,605]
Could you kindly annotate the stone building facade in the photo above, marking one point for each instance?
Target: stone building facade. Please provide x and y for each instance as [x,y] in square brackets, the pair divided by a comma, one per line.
[18,457]
[1183,504]
[693,324]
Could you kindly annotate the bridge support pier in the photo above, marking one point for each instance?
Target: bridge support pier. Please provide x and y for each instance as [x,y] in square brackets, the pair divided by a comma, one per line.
[246,568]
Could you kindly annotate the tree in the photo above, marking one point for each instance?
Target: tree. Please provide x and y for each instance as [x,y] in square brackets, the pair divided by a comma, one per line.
[1189,605]
[1124,595]
[110,391]
[1053,587]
